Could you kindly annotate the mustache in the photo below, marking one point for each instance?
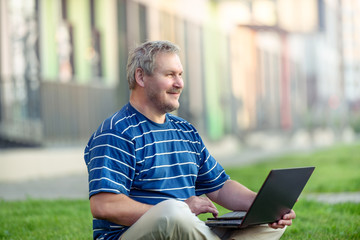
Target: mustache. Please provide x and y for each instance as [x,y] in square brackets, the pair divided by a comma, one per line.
[175,90]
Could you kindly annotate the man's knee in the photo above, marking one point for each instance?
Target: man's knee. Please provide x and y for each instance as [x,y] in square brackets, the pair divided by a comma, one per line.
[178,222]
[176,214]
[170,219]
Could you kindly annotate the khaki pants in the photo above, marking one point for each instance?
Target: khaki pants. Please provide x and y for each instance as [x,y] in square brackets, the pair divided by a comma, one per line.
[172,219]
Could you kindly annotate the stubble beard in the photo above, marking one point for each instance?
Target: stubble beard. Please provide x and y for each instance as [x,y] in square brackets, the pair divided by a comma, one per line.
[162,105]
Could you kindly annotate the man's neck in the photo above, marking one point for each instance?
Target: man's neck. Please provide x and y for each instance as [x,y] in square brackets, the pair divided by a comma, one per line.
[147,111]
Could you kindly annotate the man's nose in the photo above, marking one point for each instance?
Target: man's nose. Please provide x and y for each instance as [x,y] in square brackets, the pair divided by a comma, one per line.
[179,82]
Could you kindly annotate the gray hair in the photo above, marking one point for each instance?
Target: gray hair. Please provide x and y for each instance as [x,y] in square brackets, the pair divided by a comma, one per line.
[144,57]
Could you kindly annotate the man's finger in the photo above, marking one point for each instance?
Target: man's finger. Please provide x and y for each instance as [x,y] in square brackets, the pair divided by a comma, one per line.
[209,209]
[290,215]
[276,225]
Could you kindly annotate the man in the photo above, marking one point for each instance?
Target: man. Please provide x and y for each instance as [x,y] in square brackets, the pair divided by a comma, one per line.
[148,168]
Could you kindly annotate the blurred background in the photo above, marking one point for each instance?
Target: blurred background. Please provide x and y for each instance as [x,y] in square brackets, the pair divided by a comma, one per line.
[262,74]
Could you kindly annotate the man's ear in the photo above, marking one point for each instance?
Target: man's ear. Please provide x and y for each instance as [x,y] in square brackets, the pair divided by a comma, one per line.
[139,77]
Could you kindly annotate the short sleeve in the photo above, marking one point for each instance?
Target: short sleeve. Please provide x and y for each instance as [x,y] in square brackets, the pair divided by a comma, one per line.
[211,176]
[111,163]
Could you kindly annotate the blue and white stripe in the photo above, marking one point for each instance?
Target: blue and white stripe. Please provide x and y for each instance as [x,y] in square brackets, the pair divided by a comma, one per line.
[148,162]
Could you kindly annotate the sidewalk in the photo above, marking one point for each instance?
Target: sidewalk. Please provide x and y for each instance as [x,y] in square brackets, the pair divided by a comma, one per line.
[334,198]
[51,173]
[47,173]
[69,187]
[23,164]
[61,173]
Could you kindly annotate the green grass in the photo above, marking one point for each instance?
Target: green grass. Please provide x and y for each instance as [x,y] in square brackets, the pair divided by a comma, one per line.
[45,219]
[324,221]
[337,170]
[316,220]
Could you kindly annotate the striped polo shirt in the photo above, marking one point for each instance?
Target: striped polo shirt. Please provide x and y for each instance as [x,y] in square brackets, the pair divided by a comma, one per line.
[149,162]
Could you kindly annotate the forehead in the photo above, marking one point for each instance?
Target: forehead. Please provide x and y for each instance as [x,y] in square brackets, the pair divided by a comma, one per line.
[168,61]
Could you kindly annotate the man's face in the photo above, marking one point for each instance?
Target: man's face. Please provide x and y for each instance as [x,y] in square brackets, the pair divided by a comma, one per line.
[164,86]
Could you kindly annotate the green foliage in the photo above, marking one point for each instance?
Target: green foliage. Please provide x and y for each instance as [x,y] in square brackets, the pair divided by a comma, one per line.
[355,124]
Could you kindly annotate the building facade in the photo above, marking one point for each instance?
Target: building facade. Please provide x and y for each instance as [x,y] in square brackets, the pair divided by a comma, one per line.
[249,65]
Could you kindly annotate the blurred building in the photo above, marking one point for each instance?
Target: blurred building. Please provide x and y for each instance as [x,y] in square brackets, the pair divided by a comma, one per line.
[249,65]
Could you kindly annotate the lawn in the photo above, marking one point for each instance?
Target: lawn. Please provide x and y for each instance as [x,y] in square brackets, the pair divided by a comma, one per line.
[45,219]
[337,170]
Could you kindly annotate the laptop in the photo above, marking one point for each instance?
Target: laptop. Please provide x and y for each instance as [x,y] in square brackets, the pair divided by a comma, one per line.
[276,197]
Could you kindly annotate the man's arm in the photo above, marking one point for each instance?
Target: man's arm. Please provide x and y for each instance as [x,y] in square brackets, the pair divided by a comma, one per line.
[117,208]
[233,196]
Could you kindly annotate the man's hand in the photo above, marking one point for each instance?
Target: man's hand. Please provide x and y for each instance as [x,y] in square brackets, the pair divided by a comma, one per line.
[200,205]
[285,221]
